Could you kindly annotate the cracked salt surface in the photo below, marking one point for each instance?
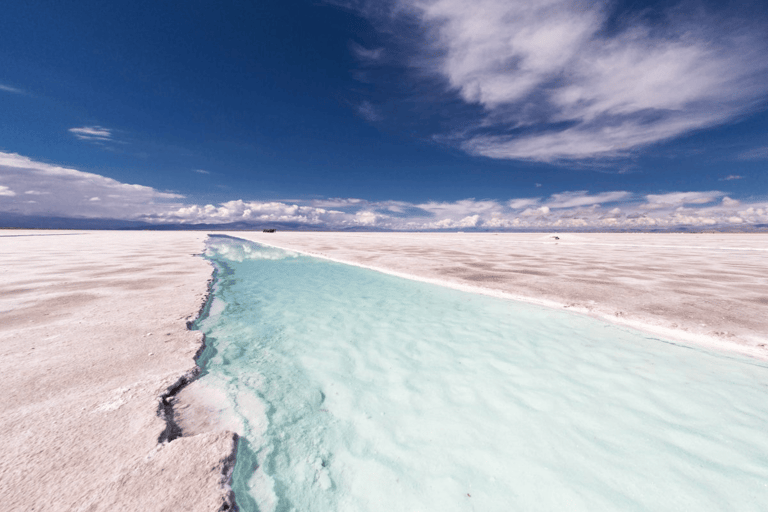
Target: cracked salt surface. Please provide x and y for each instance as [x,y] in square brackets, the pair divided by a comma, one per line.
[359,391]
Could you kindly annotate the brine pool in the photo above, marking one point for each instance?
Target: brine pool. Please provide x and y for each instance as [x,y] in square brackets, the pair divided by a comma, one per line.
[359,391]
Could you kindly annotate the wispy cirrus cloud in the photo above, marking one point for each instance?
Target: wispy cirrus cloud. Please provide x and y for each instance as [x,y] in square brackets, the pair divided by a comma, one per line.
[583,198]
[661,201]
[568,80]
[368,111]
[367,54]
[92,133]
[14,90]
[754,154]
[519,204]
[338,202]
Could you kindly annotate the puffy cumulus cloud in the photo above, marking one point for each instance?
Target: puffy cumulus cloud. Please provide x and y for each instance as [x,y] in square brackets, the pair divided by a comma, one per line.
[357,214]
[60,191]
[5,191]
[529,212]
[366,218]
[256,212]
[28,187]
[569,79]
[756,214]
[582,210]
[470,221]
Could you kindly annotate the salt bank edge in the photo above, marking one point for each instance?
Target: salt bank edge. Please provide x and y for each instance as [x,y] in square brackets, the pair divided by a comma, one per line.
[757,351]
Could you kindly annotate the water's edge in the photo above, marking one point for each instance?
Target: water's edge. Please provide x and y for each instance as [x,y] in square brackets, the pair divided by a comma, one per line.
[626,400]
[166,400]
[678,335]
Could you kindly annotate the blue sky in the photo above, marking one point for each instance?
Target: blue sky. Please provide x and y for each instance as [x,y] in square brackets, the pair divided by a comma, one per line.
[442,114]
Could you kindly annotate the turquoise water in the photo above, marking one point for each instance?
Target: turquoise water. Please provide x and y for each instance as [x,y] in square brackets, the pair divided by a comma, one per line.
[359,391]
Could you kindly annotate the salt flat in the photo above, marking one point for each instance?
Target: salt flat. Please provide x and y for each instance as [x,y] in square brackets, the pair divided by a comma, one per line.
[697,288]
[92,332]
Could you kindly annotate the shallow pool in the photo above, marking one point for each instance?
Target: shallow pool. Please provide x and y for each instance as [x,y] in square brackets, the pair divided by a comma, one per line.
[360,391]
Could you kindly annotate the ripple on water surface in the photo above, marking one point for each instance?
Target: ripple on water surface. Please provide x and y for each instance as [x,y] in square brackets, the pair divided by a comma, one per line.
[359,391]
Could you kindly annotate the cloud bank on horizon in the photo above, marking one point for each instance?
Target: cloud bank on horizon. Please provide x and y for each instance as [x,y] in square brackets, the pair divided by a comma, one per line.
[32,188]
[565,80]
[29,187]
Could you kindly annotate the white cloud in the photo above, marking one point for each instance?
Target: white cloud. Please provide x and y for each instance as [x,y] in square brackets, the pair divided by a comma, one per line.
[201,171]
[496,52]
[457,211]
[367,54]
[530,212]
[582,198]
[337,202]
[656,201]
[578,90]
[368,112]
[462,207]
[68,192]
[8,88]
[255,211]
[518,204]
[612,137]
[65,192]
[92,133]
[755,154]
[470,221]
[366,218]
[732,177]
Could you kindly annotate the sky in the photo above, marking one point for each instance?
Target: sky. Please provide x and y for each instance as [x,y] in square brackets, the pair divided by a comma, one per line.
[393,114]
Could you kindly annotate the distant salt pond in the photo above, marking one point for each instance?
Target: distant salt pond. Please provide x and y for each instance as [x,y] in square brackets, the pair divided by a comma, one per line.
[359,391]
